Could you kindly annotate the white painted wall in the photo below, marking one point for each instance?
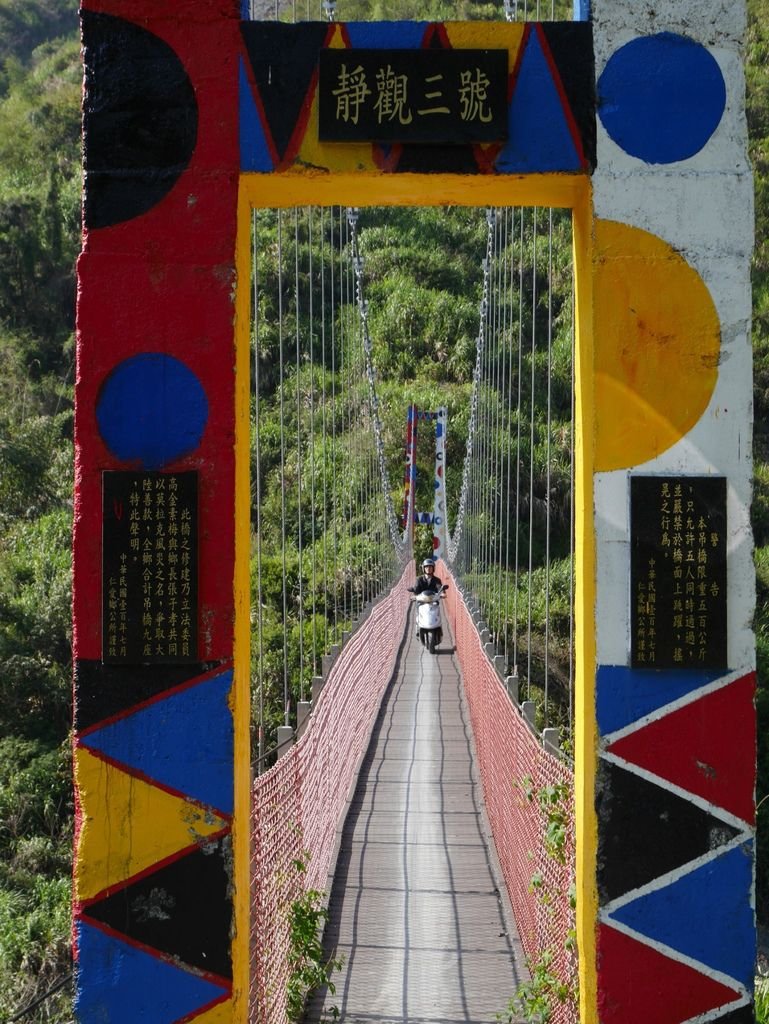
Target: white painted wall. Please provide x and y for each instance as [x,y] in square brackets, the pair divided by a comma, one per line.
[703,207]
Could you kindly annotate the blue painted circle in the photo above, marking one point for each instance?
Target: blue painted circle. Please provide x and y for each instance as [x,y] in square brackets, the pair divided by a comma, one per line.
[661,97]
[151,410]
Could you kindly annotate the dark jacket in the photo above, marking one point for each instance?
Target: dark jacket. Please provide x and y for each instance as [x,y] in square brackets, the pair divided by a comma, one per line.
[433,584]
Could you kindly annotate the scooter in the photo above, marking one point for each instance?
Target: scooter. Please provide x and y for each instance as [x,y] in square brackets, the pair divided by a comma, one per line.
[429,617]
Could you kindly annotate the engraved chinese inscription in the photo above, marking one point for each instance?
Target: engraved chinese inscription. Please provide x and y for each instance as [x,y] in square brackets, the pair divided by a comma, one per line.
[678,572]
[447,96]
[149,567]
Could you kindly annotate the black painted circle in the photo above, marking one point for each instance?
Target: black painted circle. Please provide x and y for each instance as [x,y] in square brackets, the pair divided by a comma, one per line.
[140,119]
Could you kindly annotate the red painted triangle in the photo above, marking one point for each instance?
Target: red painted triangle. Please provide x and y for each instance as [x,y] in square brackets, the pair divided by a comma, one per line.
[638,985]
[707,747]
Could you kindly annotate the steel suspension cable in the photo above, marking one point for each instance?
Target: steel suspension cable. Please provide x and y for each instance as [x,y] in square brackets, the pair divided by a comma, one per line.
[347,411]
[489,466]
[483,474]
[335,510]
[340,414]
[493,431]
[509,432]
[313,502]
[518,464]
[399,546]
[548,454]
[298,394]
[352,409]
[504,427]
[500,425]
[532,435]
[258,474]
[494,391]
[467,469]
[323,423]
[281,390]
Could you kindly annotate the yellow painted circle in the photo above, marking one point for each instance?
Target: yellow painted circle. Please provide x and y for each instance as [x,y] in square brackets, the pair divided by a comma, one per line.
[657,341]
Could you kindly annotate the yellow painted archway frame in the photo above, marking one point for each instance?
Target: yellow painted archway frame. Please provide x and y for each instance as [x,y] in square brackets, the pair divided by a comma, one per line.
[308,188]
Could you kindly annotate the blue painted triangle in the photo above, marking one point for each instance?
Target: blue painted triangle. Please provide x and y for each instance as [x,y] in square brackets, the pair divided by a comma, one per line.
[706,914]
[122,984]
[623,695]
[254,151]
[184,741]
[539,139]
[387,35]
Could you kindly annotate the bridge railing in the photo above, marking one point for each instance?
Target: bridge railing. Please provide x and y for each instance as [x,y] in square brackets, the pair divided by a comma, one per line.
[534,843]
[298,804]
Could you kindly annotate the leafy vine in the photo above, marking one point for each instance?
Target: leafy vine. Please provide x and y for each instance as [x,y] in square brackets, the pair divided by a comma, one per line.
[309,968]
[535,1000]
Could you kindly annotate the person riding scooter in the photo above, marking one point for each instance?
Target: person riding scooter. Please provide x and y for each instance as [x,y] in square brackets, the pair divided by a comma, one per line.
[428,590]
[428,580]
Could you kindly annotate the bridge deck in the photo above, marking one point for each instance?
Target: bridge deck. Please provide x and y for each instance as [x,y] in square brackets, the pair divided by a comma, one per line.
[415,907]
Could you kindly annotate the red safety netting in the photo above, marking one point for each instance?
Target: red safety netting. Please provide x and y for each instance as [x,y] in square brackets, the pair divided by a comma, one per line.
[298,804]
[513,763]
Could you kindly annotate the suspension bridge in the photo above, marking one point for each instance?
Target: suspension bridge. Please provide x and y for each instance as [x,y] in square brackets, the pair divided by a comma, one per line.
[406,864]
[559,803]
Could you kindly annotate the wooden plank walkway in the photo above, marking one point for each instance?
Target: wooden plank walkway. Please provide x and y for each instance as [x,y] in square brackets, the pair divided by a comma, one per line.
[415,908]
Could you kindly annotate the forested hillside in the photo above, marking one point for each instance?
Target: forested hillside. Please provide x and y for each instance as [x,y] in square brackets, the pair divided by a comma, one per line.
[757,78]
[40,86]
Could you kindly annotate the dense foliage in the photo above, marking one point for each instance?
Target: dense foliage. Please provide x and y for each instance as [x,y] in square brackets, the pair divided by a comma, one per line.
[423,329]
[757,80]
[40,85]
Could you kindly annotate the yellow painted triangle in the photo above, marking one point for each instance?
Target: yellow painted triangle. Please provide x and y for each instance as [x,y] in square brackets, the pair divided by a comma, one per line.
[333,156]
[477,35]
[127,825]
[337,39]
[219,1014]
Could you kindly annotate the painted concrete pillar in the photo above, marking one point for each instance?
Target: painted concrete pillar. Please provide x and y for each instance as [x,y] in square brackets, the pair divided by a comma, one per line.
[158,872]
[672,238]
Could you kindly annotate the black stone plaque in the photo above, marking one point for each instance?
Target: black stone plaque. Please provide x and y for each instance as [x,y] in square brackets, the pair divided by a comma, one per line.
[149,567]
[440,96]
[678,572]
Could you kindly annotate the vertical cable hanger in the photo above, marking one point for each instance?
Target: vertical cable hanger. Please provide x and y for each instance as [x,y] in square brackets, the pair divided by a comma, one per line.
[519,424]
[258,475]
[488,469]
[334,507]
[281,390]
[532,437]
[483,478]
[465,505]
[499,422]
[346,616]
[509,437]
[357,262]
[349,409]
[548,455]
[501,426]
[324,438]
[488,436]
[299,447]
[491,501]
[310,212]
